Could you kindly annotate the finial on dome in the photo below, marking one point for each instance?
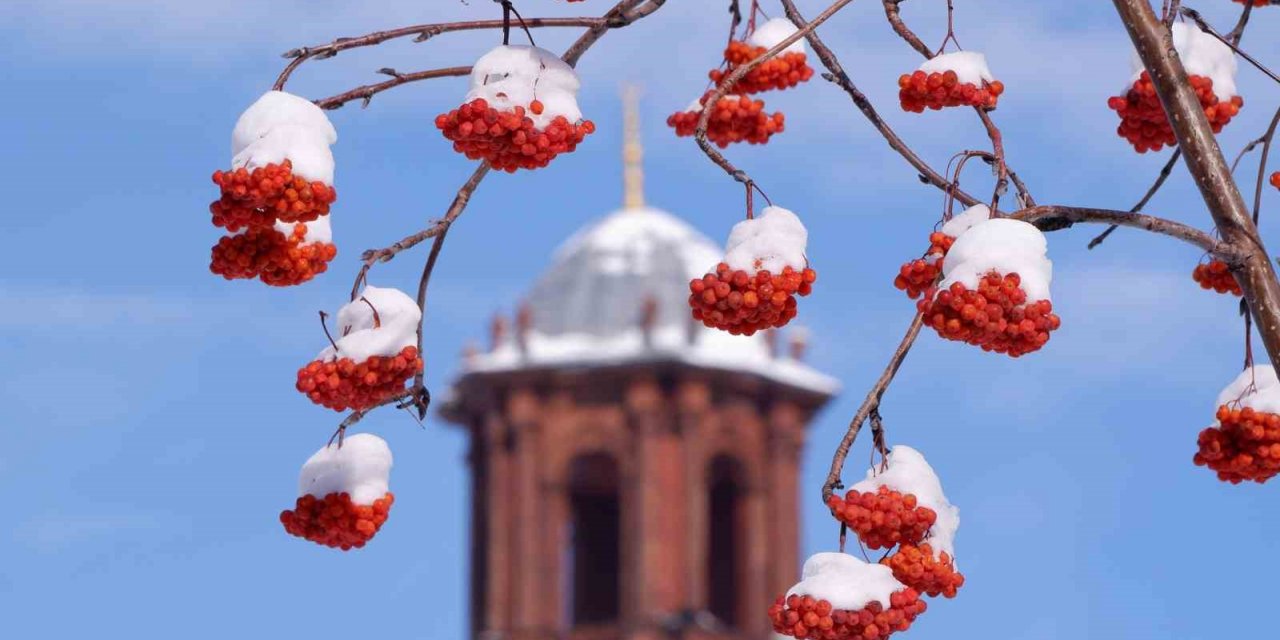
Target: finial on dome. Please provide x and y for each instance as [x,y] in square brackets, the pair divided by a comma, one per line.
[632,151]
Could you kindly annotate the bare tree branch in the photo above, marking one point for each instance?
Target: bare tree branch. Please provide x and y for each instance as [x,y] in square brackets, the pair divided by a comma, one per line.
[366,92]
[1055,217]
[1208,168]
[836,74]
[1165,172]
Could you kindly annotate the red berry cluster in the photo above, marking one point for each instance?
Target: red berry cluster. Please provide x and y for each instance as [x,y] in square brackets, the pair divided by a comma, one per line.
[742,304]
[733,119]
[995,317]
[508,140]
[916,567]
[1143,121]
[783,71]
[343,384]
[1256,3]
[1244,446]
[918,91]
[1275,179]
[808,618]
[1216,275]
[263,252]
[260,197]
[919,275]
[884,518]
[335,521]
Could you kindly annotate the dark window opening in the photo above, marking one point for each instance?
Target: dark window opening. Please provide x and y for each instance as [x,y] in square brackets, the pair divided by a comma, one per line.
[725,537]
[594,553]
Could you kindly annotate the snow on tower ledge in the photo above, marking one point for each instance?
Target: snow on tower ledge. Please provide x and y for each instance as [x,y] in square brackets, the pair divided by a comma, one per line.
[588,306]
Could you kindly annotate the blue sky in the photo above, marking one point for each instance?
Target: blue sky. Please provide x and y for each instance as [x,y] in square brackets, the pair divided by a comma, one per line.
[152,434]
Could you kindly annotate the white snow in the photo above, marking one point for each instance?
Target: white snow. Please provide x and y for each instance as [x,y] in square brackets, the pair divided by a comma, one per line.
[361,468]
[846,582]
[773,32]
[768,242]
[398,317]
[282,126]
[1201,55]
[318,230]
[908,472]
[514,75]
[970,67]
[1255,388]
[630,242]
[957,225]
[1005,246]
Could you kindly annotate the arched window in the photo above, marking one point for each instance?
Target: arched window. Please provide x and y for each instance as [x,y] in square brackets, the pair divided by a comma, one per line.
[593,557]
[725,536]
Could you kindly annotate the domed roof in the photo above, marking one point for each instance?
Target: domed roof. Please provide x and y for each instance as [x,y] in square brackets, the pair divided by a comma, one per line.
[601,276]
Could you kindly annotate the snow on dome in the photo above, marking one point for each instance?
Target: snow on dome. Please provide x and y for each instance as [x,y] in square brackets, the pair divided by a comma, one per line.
[846,582]
[361,468]
[397,326]
[970,67]
[908,472]
[1202,55]
[1005,246]
[586,308]
[768,242]
[773,32]
[515,75]
[318,230]
[957,225]
[1256,388]
[276,109]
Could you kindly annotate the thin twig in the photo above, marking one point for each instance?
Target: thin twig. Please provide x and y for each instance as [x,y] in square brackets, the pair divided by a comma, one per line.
[871,403]
[1207,28]
[1267,138]
[837,75]
[366,92]
[1165,172]
[1056,217]
[710,101]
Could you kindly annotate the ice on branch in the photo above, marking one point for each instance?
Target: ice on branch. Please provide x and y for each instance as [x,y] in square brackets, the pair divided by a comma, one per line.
[846,582]
[773,32]
[1256,388]
[907,472]
[281,126]
[769,242]
[361,468]
[379,322]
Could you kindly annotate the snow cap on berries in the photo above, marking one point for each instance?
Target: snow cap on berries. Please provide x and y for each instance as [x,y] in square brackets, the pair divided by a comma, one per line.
[1202,55]
[515,75]
[773,32]
[768,242]
[361,468]
[970,67]
[363,336]
[908,472]
[1005,246]
[1256,388]
[957,225]
[318,230]
[846,582]
[281,126]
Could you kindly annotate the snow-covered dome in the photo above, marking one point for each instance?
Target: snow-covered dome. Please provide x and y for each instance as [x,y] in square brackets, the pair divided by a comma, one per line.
[601,276]
[588,308]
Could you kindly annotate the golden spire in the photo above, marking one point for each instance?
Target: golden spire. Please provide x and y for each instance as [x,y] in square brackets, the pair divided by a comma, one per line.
[632,151]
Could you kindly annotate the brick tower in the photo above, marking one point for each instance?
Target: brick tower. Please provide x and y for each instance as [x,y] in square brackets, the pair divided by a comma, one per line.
[634,475]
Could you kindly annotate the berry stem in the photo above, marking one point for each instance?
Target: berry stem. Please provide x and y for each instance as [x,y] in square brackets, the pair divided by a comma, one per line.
[323,317]
[377,321]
